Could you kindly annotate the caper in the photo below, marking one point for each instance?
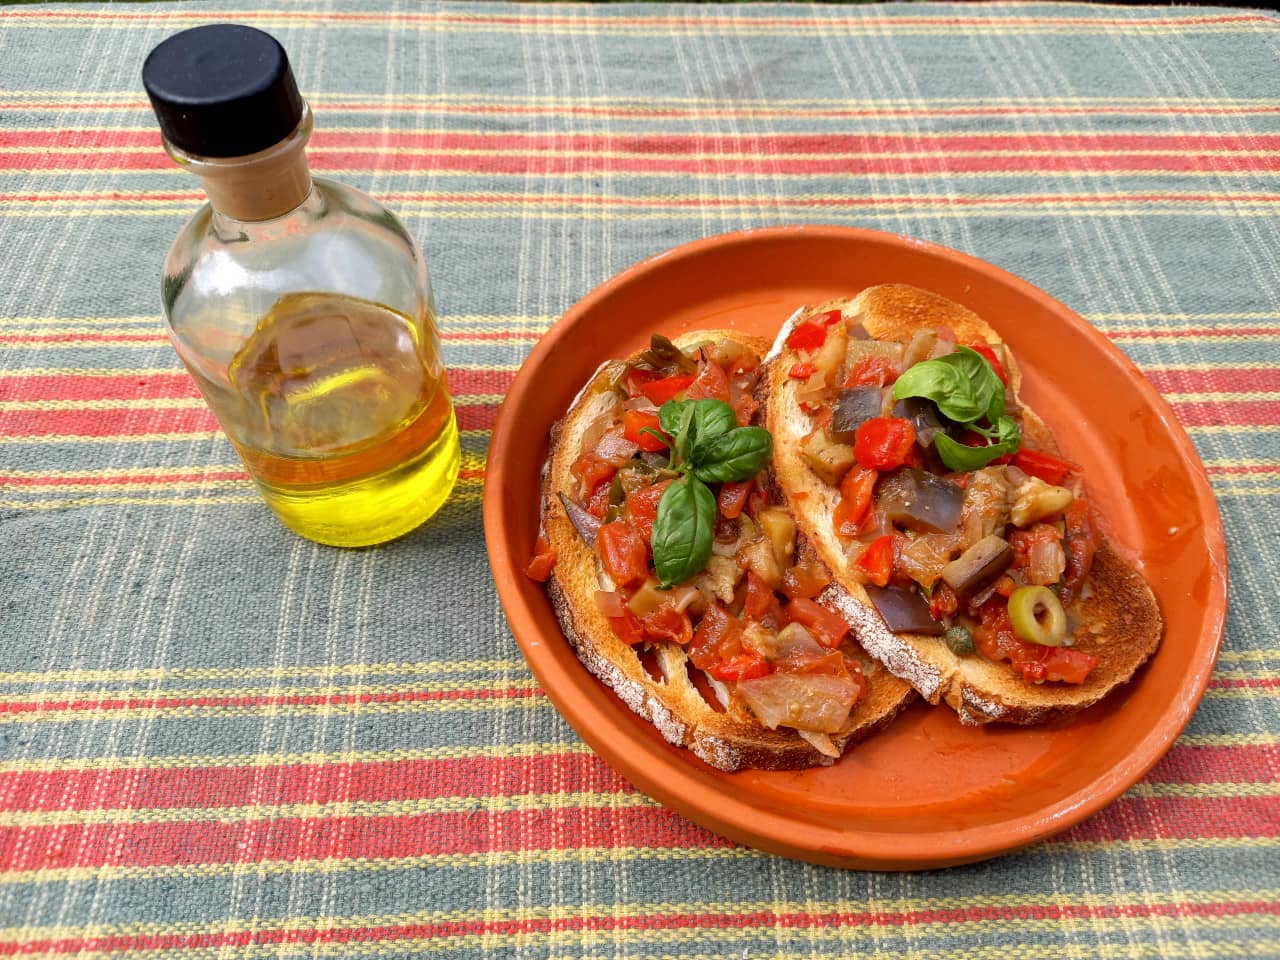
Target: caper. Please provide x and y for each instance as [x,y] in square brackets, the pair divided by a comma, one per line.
[959,640]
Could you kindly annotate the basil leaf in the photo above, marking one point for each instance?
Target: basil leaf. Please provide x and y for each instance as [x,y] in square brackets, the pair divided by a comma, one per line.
[683,530]
[737,455]
[974,367]
[712,419]
[656,435]
[669,416]
[958,456]
[946,384]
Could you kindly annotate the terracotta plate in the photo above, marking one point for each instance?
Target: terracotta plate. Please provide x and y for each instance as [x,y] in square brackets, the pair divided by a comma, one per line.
[926,792]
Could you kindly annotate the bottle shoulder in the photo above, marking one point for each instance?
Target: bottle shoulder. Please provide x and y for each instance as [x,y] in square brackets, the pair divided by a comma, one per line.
[340,240]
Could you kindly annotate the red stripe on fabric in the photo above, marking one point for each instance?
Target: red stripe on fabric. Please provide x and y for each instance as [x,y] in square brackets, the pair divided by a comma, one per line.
[374,838]
[138,422]
[762,164]
[588,200]
[682,143]
[544,20]
[641,922]
[178,385]
[1246,413]
[306,783]
[1191,332]
[1236,683]
[161,788]
[159,338]
[1235,380]
[346,838]
[121,479]
[77,705]
[1246,468]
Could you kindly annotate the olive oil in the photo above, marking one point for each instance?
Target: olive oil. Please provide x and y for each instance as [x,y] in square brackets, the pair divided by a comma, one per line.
[341,414]
[301,307]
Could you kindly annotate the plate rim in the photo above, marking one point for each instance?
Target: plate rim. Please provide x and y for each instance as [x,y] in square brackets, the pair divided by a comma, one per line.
[748,824]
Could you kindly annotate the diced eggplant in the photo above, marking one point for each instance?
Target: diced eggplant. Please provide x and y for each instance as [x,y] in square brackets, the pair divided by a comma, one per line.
[978,566]
[917,500]
[923,416]
[585,523]
[828,459]
[856,330]
[904,610]
[780,530]
[853,407]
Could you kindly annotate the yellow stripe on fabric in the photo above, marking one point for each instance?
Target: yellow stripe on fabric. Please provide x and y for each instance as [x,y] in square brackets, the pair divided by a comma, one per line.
[464,751]
[357,671]
[364,688]
[583,855]
[687,27]
[182,403]
[465,490]
[307,758]
[251,813]
[161,437]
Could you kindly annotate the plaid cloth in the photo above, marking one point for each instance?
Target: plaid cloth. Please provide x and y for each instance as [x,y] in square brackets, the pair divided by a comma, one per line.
[216,737]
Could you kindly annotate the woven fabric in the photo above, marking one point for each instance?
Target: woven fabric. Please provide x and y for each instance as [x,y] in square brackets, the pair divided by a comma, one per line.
[216,737]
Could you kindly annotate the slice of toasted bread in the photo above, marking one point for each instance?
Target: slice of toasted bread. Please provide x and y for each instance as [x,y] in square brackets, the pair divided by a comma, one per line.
[1119,622]
[728,739]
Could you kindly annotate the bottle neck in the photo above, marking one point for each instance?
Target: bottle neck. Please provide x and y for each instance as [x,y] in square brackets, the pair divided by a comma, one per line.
[260,186]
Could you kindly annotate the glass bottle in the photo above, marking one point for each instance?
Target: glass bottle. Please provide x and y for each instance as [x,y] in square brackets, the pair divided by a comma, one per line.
[301,307]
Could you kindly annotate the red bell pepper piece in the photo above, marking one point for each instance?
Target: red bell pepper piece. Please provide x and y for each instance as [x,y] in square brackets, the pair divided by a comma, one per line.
[745,666]
[623,552]
[828,628]
[883,443]
[876,562]
[1046,466]
[544,558]
[634,421]
[732,498]
[855,498]
[989,355]
[802,371]
[807,335]
[660,391]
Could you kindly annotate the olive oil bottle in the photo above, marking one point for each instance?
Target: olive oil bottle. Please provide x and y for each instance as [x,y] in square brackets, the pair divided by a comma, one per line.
[301,307]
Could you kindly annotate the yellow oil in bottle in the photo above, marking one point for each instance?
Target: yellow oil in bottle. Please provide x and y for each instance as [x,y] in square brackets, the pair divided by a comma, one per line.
[341,413]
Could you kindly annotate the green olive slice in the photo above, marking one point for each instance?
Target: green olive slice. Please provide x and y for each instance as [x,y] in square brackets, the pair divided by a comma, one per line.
[1037,616]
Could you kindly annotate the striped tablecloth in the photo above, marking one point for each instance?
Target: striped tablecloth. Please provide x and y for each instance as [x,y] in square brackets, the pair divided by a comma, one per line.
[216,737]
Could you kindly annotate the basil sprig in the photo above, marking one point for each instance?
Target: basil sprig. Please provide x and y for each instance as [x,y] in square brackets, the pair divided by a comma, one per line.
[706,446]
[965,389]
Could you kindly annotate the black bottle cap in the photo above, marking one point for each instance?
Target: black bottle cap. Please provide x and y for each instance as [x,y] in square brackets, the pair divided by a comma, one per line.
[222,90]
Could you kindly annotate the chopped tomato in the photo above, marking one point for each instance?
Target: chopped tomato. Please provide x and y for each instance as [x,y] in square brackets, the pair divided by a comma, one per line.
[756,502]
[544,558]
[642,507]
[996,640]
[805,580]
[598,502]
[718,637]
[831,664]
[989,355]
[635,380]
[855,498]
[1081,544]
[830,318]
[1023,540]
[745,666]
[711,383]
[871,370]
[627,627]
[882,443]
[590,472]
[828,628]
[944,602]
[623,551]
[802,371]
[667,623]
[1046,466]
[634,421]
[660,391]
[744,406]
[732,498]
[761,605]
[876,562]
[807,335]
[1006,585]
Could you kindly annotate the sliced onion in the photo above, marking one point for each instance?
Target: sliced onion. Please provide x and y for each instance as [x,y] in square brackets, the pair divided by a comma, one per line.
[820,742]
[805,701]
[1015,476]
[615,448]
[639,403]
[610,604]
[1046,562]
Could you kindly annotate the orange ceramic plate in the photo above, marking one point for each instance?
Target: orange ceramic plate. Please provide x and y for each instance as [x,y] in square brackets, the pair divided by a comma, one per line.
[926,792]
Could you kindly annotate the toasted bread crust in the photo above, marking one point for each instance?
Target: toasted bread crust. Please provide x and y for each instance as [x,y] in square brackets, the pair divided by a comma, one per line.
[726,740]
[1119,623]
